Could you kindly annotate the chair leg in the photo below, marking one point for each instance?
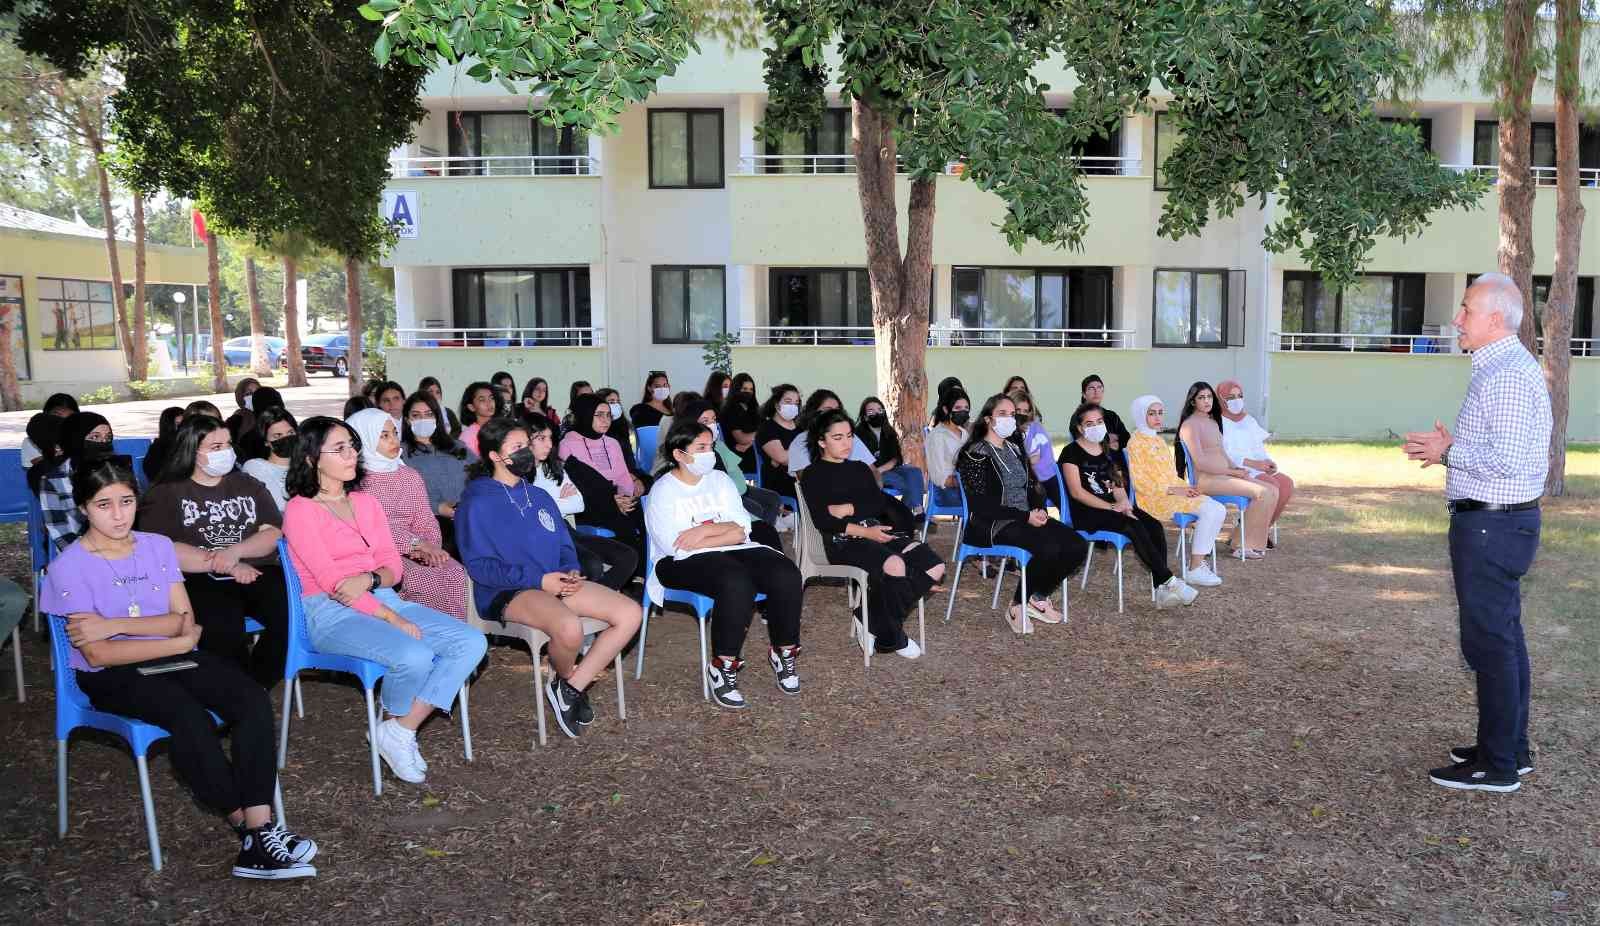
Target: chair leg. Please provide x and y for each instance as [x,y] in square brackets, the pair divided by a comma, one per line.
[1027,624]
[999,580]
[705,657]
[1183,559]
[372,743]
[867,639]
[61,789]
[622,703]
[283,727]
[955,584]
[1065,607]
[299,701]
[277,801]
[538,694]
[644,630]
[1087,562]
[922,625]
[466,722]
[16,654]
[1119,580]
[149,812]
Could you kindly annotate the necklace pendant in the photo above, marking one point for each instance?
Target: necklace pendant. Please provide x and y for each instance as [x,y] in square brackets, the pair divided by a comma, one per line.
[133,609]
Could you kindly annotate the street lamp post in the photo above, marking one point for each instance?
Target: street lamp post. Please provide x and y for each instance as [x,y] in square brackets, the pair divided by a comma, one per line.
[178,299]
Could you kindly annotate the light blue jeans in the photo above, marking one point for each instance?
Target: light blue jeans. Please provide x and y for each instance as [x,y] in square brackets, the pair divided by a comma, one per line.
[431,669]
[909,480]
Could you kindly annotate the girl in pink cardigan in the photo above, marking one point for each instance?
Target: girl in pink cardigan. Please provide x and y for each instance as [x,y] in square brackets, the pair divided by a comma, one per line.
[589,442]
[342,550]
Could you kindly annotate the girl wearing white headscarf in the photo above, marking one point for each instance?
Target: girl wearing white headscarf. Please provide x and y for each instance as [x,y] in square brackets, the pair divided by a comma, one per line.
[432,577]
[1163,493]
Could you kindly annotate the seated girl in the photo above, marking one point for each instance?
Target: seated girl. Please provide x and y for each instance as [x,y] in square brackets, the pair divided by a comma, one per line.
[765,505]
[1200,431]
[438,458]
[340,545]
[610,562]
[122,594]
[480,401]
[85,437]
[1005,508]
[946,438]
[277,428]
[1162,492]
[524,570]
[433,578]
[700,542]
[864,527]
[1098,501]
[1244,440]
[225,526]
[873,427]
[777,432]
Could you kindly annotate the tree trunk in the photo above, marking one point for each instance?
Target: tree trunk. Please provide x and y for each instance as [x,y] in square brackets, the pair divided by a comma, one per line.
[10,390]
[900,284]
[118,299]
[219,363]
[258,337]
[352,303]
[291,323]
[1569,239]
[139,365]
[1516,142]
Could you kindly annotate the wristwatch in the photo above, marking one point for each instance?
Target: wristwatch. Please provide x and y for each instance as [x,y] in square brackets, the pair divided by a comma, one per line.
[377,580]
[1444,457]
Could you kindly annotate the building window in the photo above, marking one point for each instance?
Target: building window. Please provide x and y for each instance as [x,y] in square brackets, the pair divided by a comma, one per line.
[1424,128]
[14,326]
[685,149]
[515,144]
[508,302]
[1049,298]
[76,315]
[1106,143]
[822,149]
[815,298]
[1167,137]
[1199,308]
[689,304]
[1375,304]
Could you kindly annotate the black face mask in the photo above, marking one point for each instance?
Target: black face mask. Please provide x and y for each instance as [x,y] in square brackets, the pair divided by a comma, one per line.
[521,462]
[876,419]
[960,418]
[96,450]
[283,446]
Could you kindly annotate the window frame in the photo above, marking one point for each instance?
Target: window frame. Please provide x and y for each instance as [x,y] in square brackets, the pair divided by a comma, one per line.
[1073,276]
[568,139]
[689,113]
[813,134]
[110,307]
[1223,343]
[1336,338]
[655,310]
[1155,146]
[774,280]
[568,298]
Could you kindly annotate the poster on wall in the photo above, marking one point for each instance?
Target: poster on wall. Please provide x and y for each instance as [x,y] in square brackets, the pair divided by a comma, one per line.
[13,334]
[400,211]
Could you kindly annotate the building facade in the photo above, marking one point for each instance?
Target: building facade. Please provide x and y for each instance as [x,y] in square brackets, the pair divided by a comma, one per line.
[551,253]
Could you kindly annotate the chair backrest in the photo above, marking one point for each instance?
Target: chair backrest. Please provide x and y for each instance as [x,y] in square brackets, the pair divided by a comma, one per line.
[646,436]
[299,638]
[1188,462]
[1061,494]
[136,447]
[808,549]
[13,487]
[759,455]
[70,699]
[39,545]
[1127,470]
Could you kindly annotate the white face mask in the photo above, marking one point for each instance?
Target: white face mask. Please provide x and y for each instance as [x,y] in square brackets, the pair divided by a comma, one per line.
[1095,432]
[702,463]
[660,393]
[250,402]
[616,410]
[1235,406]
[789,410]
[716,431]
[423,427]
[1005,426]
[218,462]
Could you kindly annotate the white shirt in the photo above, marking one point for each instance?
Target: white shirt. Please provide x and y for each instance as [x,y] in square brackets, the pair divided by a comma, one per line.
[29,452]
[275,478]
[673,506]
[1245,440]
[800,454]
[1501,450]
[939,449]
[568,506]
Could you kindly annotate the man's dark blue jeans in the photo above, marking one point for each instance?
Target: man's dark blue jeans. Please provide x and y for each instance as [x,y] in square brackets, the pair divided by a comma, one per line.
[1490,552]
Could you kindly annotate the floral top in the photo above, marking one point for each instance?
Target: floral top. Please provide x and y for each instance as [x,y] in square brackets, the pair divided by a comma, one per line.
[1151,465]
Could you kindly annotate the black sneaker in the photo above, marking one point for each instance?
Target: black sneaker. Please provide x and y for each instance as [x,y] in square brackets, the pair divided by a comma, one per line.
[564,704]
[585,709]
[264,856]
[300,848]
[1469,754]
[782,660]
[724,678]
[1473,776]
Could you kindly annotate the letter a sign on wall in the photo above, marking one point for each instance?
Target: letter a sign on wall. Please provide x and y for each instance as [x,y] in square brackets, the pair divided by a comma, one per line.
[400,211]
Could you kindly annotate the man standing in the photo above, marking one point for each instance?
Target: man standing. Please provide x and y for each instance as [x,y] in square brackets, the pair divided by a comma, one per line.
[1495,470]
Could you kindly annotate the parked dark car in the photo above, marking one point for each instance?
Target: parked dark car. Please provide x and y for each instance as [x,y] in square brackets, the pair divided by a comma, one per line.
[326,351]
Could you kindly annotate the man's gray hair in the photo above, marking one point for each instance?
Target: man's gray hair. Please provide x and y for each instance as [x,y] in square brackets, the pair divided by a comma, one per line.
[1500,294]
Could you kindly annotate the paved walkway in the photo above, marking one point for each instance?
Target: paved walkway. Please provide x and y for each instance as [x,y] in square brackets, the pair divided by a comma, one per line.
[324,396]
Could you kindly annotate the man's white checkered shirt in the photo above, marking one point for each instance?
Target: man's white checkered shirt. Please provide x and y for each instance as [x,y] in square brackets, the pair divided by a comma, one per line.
[1501,449]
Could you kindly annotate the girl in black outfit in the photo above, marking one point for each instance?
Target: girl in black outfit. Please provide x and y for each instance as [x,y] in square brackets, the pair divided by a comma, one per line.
[1098,501]
[778,427]
[1005,508]
[863,527]
[653,405]
[609,562]
[1093,392]
[536,399]
[716,388]
[166,431]
[743,382]
[872,424]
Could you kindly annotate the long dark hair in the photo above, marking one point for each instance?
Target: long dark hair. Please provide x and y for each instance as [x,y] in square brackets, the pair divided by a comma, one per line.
[1188,409]
[814,402]
[545,408]
[739,412]
[470,417]
[441,439]
[60,400]
[769,408]
[503,375]
[355,404]
[651,377]
[185,450]
[887,439]
[716,387]
[819,428]
[572,391]
[741,380]
[947,403]
[1075,430]
[87,482]
[387,386]
[492,435]
[314,432]
[45,432]
[167,426]
[980,422]
[270,417]
[538,424]
[684,432]
[424,383]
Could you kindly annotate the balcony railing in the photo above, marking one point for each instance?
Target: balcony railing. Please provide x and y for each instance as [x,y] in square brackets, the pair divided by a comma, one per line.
[1113,338]
[1542,176]
[1349,342]
[496,166]
[846,164]
[1581,347]
[501,337]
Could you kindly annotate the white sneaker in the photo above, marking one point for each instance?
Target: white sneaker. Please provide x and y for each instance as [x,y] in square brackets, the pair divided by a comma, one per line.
[398,746]
[1167,597]
[1186,593]
[911,650]
[1203,577]
[785,522]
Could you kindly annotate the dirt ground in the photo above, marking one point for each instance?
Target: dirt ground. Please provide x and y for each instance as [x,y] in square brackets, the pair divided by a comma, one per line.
[1259,757]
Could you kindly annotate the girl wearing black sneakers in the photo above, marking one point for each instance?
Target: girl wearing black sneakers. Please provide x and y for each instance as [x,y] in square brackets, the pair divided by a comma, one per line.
[700,542]
[524,569]
[133,636]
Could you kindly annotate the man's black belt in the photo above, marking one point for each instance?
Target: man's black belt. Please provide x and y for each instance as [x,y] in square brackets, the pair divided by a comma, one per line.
[1459,505]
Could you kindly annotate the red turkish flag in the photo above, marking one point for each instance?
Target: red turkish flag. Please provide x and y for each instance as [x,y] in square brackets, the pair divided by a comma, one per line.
[199,224]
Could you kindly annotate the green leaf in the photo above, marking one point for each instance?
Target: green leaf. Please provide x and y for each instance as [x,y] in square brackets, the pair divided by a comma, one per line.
[384,6]
[380,49]
[367,12]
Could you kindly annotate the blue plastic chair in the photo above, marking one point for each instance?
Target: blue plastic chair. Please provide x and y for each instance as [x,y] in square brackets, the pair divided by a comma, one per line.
[1119,541]
[1183,520]
[645,455]
[943,503]
[73,712]
[1003,552]
[14,492]
[40,549]
[589,530]
[1241,502]
[136,449]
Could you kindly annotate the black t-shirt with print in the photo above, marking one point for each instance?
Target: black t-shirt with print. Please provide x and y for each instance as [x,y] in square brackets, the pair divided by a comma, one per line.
[211,517]
[1097,474]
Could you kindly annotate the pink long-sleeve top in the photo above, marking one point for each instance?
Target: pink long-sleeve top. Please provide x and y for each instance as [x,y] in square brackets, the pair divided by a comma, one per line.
[604,455]
[325,549]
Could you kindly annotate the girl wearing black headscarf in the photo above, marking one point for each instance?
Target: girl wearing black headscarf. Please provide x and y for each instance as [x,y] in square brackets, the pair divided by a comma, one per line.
[85,438]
